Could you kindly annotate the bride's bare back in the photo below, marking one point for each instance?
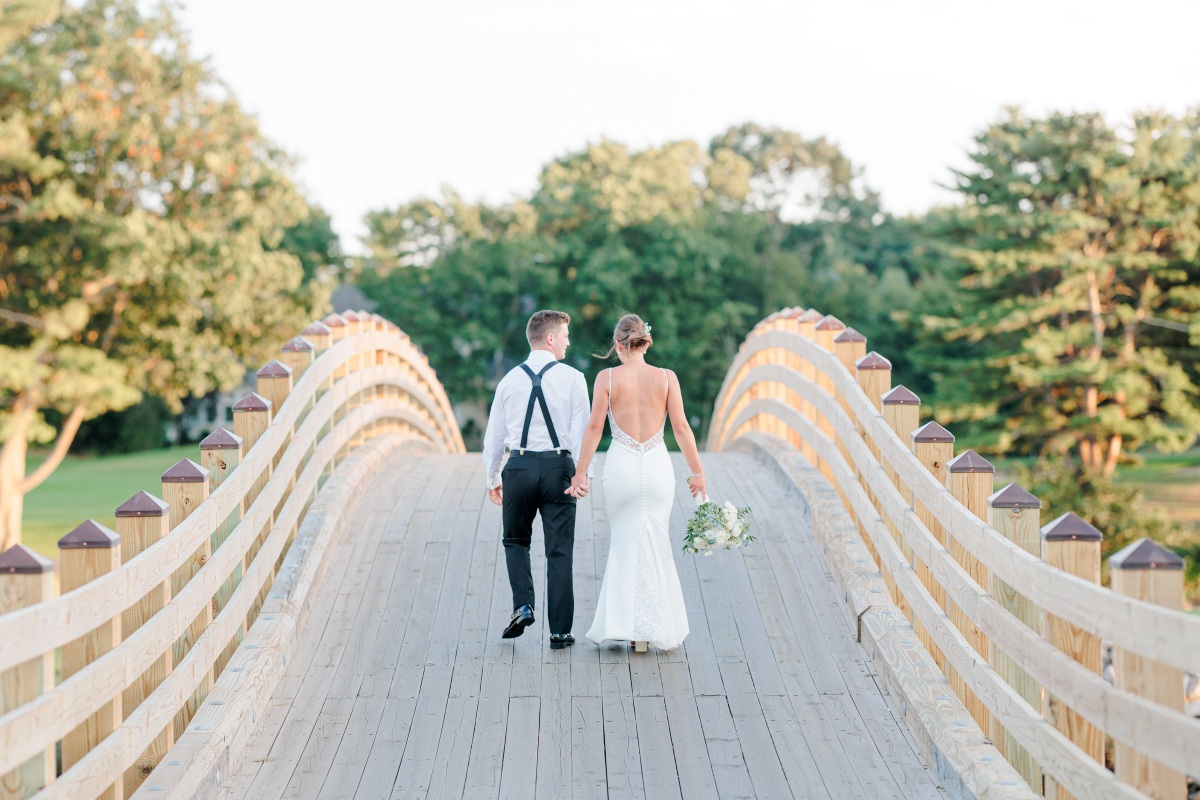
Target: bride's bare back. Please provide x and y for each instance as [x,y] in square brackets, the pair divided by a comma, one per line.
[638,399]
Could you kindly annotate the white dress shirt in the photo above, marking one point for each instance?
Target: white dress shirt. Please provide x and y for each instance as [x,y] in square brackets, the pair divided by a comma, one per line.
[566,397]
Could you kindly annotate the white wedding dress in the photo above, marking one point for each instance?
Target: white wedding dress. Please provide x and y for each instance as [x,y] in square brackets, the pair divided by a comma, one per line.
[640,597]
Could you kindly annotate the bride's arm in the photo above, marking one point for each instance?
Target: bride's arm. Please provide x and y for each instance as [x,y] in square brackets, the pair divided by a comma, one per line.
[591,435]
[684,435]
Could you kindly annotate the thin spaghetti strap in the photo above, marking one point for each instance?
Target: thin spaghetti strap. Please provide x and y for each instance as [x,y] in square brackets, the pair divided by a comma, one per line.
[609,371]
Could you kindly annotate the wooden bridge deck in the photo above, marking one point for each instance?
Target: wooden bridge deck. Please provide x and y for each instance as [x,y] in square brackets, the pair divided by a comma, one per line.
[402,687]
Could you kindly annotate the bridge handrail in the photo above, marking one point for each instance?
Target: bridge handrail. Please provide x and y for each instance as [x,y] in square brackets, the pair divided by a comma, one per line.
[372,381]
[785,383]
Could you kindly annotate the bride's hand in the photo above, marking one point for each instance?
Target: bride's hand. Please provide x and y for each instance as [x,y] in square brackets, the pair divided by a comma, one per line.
[697,485]
[579,487]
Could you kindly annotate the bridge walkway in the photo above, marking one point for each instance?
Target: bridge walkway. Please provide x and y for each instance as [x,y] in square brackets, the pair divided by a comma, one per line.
[402,687]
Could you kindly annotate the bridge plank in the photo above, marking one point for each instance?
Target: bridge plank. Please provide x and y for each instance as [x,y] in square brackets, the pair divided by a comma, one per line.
[328,622]
[868,726]
[407,689]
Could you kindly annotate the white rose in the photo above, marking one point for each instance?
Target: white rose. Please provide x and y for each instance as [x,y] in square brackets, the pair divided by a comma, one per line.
[730,514]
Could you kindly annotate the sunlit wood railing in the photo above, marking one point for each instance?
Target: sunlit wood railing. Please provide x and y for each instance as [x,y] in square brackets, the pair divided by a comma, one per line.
[1007,613]
[150,614]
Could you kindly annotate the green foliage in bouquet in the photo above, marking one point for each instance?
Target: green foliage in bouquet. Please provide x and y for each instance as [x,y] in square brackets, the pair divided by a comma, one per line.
[714,526]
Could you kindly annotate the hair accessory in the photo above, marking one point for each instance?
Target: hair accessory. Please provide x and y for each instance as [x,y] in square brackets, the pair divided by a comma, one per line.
[647,324]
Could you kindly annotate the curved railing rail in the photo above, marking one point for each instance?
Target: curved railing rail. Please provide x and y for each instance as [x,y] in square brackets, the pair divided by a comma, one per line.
[150,614]
[1011,612]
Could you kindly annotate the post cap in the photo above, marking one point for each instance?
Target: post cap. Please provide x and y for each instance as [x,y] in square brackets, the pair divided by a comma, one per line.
[1070,527]
[969,461]
[334,321]
[811,315]
[186,471]
[143,504]
[90,534]
[849,335]
[20,560]
[252,402]
[932,432]
[221,439]
[831,323]
[298,344]
[364,315]
[350,316]
[873,360]
[1145,553]
[274,369]
[391,326]
[317,328]
[1013,496]
[900,396]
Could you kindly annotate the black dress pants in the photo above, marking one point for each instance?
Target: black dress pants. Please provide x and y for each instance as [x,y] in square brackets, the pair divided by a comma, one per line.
[535,485]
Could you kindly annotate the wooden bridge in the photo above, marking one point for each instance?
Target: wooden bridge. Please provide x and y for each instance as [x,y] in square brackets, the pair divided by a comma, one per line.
[313,610]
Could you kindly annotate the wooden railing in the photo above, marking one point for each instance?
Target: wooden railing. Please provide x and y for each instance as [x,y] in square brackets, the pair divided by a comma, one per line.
[150,614]
[1010,612]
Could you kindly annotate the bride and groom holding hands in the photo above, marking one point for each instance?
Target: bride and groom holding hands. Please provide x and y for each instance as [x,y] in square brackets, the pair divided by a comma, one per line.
[540,415]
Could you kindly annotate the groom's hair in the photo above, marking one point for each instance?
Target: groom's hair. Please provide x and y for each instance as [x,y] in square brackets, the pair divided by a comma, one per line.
[544,323]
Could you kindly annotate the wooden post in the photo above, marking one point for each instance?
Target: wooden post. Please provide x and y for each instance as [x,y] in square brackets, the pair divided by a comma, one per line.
[275,382]
[849,346]
[1073,546]
[874,374]
[933,446]
[26,579]
[806,324]
[902,412]
[1015,514]
[1149,572]
[220,454]
[825,330]
[251,416]
[969,477]
[185,487]
[320,334]
[353,328]
[142,522]
[84,554]
[298,354]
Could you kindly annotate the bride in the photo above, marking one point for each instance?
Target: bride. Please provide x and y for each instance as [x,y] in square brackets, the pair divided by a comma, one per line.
[640,598]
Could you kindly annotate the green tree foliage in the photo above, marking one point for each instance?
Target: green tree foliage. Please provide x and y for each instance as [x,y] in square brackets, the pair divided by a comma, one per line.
[141,217]
[1075,272]
[692,238]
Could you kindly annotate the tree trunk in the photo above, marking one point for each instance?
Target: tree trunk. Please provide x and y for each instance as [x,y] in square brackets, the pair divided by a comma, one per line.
[12,475]
[1114,455]
[14,483]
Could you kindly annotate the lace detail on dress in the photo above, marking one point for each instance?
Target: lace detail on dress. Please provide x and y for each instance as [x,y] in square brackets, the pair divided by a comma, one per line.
[650,612]
[623,438]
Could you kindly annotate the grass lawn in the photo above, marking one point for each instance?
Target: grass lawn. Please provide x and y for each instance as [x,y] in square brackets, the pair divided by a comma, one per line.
[1170,483]
[84,487]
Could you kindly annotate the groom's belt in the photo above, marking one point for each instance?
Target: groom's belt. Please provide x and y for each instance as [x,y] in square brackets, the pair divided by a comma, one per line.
[519,453]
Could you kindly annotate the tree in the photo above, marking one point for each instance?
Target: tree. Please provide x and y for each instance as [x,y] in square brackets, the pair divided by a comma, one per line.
[140,215]
[1077,277]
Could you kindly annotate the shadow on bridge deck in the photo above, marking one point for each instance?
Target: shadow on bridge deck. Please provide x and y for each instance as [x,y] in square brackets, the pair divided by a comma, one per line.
[402,687]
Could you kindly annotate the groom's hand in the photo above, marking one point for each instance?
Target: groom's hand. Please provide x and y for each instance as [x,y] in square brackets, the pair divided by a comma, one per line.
[497,495]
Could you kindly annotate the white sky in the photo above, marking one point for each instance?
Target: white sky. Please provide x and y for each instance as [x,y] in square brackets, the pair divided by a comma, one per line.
[385,100]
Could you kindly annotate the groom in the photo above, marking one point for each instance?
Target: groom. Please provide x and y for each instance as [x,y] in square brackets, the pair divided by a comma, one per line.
[539,414]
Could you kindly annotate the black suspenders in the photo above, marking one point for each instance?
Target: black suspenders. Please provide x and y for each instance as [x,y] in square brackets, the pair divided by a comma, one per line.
[537,395]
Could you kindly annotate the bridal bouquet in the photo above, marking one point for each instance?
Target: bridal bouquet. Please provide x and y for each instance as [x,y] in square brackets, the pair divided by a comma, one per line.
[714,526]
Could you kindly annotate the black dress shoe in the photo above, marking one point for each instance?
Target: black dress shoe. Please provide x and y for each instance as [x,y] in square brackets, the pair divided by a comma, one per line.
[522,618]
[560,640]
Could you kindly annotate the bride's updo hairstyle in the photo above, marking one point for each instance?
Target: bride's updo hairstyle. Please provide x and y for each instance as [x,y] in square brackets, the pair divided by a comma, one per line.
[632,333]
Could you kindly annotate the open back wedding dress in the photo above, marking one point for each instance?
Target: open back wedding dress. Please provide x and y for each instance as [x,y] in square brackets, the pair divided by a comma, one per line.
[640,597]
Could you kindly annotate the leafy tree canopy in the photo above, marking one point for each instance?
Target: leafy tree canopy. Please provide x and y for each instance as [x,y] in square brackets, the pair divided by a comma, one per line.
[141,219]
